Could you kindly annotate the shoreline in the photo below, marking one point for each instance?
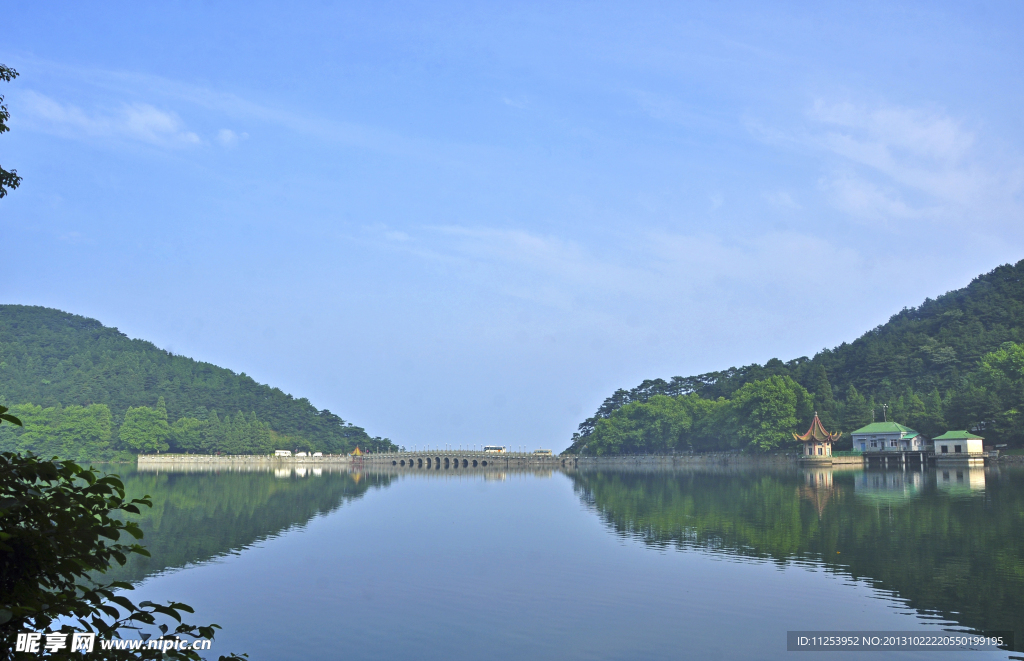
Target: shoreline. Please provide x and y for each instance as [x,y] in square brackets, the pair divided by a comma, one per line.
[662,461]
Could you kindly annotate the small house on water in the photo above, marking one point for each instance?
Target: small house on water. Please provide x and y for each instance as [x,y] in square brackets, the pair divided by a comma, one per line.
[960,447]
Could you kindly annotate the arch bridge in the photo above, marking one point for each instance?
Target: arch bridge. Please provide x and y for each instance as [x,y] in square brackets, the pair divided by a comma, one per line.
[458,460]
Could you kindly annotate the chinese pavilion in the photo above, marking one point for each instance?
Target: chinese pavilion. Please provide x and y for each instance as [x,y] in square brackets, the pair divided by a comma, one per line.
[817,442]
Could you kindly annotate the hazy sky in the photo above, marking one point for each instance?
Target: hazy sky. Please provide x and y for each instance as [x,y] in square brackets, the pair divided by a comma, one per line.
[469,223]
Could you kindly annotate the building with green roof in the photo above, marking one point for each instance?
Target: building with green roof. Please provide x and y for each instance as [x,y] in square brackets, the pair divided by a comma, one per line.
[888,437]
[958,446]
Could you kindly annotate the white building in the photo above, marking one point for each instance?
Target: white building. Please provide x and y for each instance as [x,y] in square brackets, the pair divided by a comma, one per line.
[959,446]
[888,437]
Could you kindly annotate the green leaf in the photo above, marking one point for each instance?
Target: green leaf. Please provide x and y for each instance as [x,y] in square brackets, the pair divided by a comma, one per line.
[125,603]
[11,419]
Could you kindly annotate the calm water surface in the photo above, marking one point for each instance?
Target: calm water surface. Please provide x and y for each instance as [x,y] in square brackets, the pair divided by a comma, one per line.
[591,565]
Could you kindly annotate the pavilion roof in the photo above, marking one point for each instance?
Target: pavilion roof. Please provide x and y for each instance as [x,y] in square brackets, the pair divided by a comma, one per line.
[817,432]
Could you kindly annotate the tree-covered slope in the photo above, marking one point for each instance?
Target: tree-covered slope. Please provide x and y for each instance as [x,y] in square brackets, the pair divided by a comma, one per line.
[951,362]
[58,362]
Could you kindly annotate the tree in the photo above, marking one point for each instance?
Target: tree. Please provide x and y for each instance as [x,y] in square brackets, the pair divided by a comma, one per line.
[824,401]
[187,434]
[9,179]
[656,425]
[856,411]
[84,430]
[145,429]
[74,432]
[768,411]
[914,410]
[1002,378]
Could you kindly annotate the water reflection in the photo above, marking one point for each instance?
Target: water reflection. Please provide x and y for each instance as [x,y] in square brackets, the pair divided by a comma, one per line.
[892,487]
[963,480]
[949,542]
[201,512]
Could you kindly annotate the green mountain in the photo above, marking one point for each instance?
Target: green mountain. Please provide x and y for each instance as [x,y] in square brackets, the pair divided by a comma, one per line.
[953,362]
[86,391]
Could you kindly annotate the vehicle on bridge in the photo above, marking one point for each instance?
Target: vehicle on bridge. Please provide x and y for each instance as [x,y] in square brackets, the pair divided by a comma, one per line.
[494,448]
[544,453]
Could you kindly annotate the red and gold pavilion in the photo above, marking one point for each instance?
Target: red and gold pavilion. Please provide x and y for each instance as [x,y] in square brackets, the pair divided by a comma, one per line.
[817,441]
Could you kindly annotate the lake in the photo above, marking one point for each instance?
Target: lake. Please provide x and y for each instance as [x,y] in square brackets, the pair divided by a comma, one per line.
[709,564]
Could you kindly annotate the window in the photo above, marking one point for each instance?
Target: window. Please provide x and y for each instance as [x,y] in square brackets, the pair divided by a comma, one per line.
[956,448]
[945,449]
[819,451]
[874,443]
[893,443]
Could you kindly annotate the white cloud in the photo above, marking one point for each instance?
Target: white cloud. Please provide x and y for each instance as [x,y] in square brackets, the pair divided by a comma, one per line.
[926,152]
[894,165]
[229,138]
[862,198]
[649,280]
[132,121]
[890,128]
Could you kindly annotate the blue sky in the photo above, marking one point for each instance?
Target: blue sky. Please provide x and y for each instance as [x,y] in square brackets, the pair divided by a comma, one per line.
[470,222]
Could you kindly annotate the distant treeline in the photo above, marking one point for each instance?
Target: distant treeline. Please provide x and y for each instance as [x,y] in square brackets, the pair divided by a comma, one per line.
[85,433]
[956,362]
[82,389]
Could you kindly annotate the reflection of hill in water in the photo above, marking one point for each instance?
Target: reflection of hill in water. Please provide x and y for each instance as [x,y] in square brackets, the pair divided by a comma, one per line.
[202,514]
[960,557]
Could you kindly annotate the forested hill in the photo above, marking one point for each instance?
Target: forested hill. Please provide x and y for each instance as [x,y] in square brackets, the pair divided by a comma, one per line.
[66,372]
[953,362]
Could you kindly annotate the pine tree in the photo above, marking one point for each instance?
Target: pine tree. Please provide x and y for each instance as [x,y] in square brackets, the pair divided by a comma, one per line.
[824,401]
[914,410]
[856,411]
